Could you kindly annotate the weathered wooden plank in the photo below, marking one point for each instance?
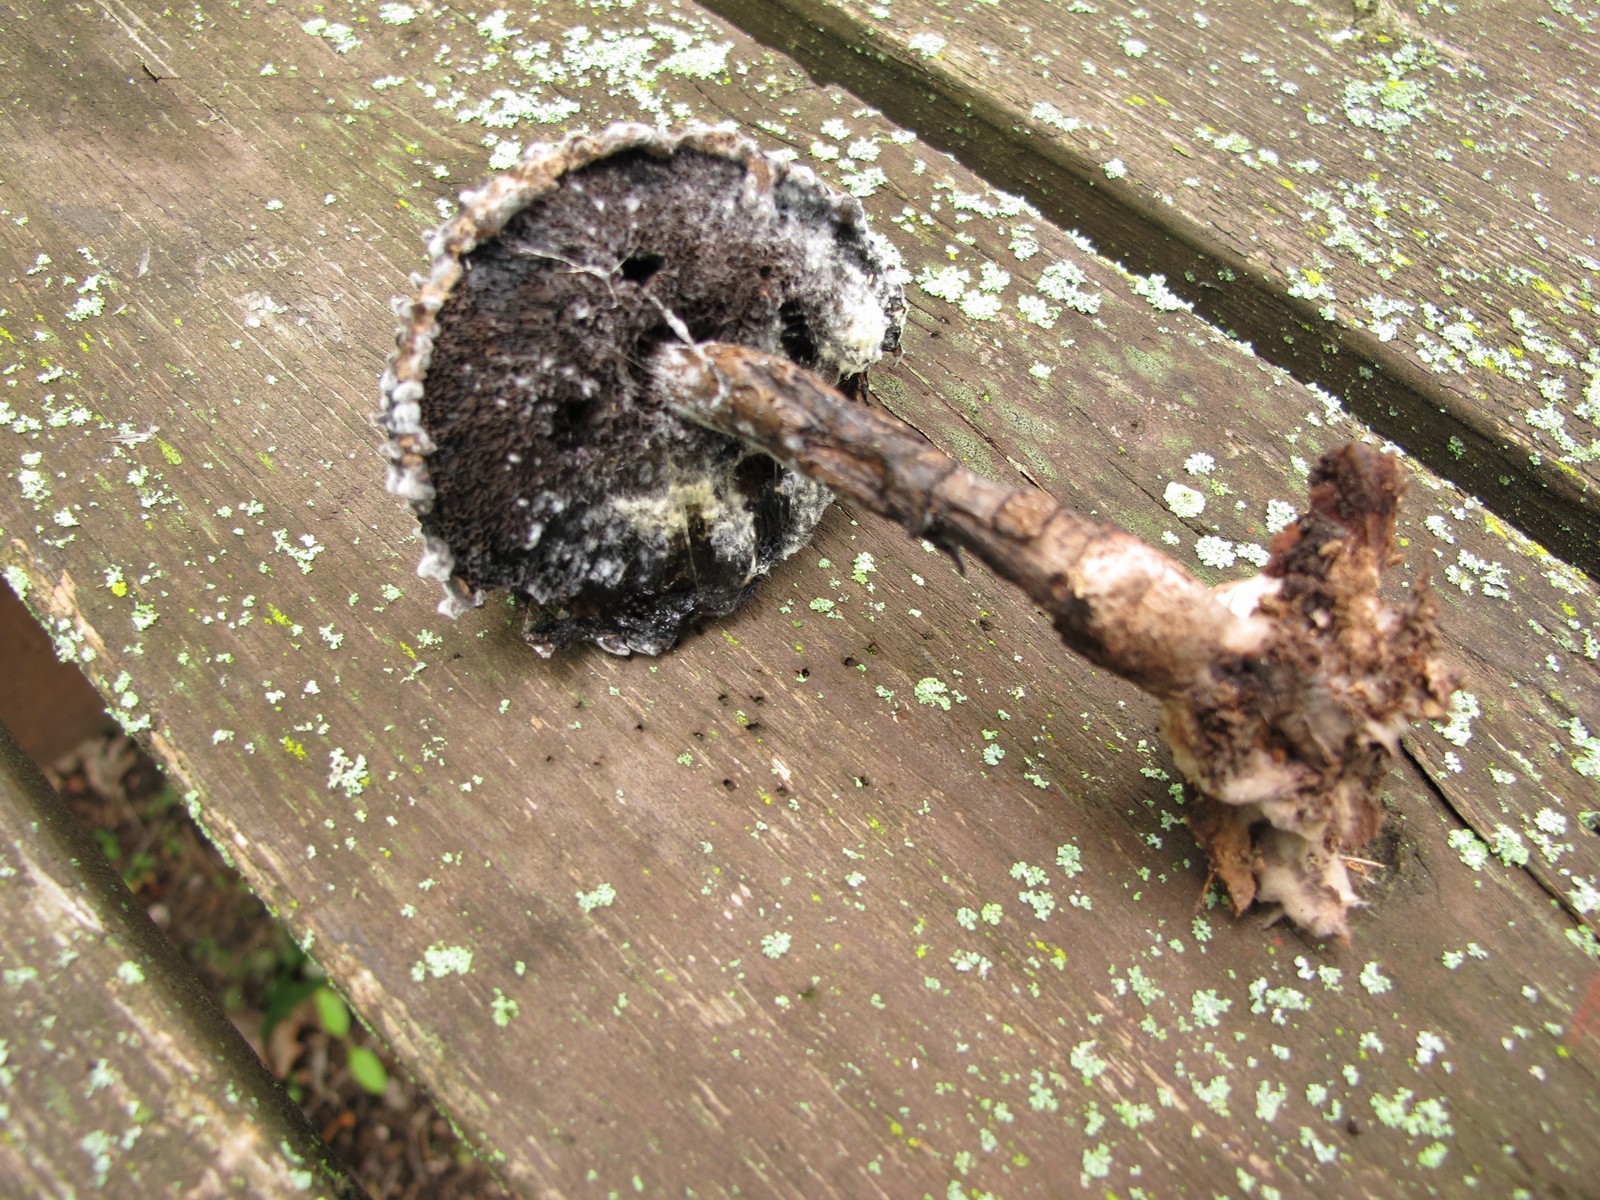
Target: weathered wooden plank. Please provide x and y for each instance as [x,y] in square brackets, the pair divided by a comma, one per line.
[50,708]
[1397,204]
[118,1072]
[763,913]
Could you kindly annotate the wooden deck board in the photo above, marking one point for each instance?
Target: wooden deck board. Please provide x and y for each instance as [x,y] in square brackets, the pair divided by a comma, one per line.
[751,915]
[1395,204]
[118,1072]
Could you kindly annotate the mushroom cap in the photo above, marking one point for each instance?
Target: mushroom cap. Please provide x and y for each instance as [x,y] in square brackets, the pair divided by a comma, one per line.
[521,423]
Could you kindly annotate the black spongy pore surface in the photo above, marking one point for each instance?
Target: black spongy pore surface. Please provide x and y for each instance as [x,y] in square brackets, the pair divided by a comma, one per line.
[555,474]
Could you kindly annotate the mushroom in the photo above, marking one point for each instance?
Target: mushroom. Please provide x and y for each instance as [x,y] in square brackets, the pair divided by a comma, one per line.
[619,392]
[523,425]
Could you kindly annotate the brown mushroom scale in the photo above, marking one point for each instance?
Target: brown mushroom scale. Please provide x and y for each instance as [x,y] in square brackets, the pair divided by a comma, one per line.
[551,468]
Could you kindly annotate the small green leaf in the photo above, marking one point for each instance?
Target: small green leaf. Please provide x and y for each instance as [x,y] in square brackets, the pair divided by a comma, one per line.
[332,1014]
[366,1068]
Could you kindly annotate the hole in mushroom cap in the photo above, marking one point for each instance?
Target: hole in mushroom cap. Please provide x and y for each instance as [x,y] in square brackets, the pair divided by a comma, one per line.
[638,268]
[795,333]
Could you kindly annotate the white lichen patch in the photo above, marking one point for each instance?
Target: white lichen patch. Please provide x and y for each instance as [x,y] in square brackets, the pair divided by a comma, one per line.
[91,302]
[1374,980]
[1469,847]
[1280,515]
[1207,1009]
[346,774]
[1586,750]
[946,283]
[1276,1002]
[1048,114]
[699,60]
[1183,501]
[776,944]
[1216,552]
[980,306]
[440,960]
[1398,97]
[1584,895]
[503,1009]
[1464,709]
[1157,294]
[304,550]
[1065,282]
[862,567]
[340,36]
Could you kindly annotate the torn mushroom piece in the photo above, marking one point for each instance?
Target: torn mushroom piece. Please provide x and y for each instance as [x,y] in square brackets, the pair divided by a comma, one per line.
[521,424]
[1283,697]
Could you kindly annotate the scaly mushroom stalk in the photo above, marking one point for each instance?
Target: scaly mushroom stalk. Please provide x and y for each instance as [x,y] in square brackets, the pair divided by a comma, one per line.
[1282,697]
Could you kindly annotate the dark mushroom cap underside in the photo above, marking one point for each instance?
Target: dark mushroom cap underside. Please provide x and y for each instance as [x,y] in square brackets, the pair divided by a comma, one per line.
[553,470]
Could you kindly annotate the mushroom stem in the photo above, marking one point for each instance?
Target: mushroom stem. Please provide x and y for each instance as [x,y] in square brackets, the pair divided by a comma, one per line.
[1283,696]
[1116,601]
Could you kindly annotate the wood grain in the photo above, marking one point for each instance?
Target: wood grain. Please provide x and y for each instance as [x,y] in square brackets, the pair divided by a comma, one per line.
[869,890]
